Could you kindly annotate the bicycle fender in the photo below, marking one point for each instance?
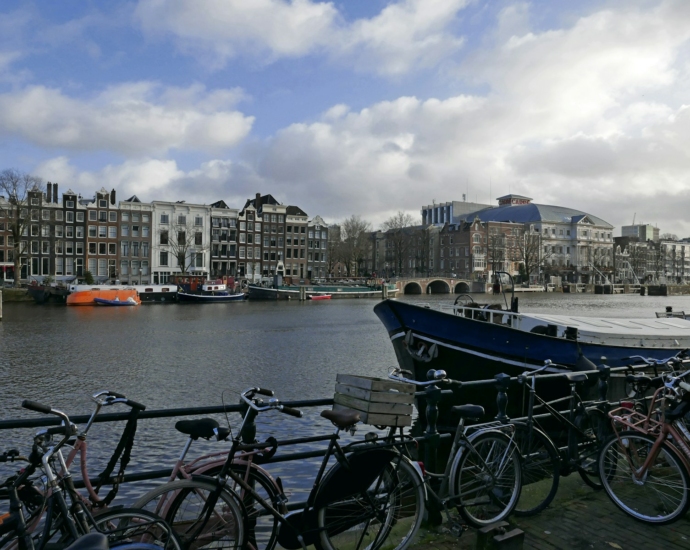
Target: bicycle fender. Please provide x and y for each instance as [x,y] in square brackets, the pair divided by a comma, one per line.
[343,481]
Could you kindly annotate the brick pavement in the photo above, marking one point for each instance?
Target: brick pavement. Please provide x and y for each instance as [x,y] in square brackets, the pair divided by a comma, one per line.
[589,520]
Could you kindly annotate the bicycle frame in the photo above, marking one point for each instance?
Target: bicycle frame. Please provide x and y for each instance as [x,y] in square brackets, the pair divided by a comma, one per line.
[649,425]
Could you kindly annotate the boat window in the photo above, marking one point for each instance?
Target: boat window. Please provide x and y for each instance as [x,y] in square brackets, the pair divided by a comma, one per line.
[166,289]
[148,290]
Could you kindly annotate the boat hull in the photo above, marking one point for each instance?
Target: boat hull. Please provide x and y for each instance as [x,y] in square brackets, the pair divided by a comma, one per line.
[209,299]
[470,350]
[87,297]
[257,292]
[114,303]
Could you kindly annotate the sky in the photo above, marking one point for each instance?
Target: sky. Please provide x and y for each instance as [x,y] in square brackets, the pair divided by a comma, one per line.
[358,107]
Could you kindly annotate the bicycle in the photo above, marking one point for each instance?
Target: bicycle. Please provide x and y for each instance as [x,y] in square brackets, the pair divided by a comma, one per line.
[372,497]
[646,463]
[482,476]
[261,527]
[63,524]
[586,427]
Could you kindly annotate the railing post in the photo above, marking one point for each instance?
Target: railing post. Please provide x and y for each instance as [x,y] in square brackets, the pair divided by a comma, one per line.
[604,374]
[502,384]
[432,395]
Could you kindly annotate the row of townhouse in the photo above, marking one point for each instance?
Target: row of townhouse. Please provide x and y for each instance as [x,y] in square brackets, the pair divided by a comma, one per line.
[146,243]
[648,261]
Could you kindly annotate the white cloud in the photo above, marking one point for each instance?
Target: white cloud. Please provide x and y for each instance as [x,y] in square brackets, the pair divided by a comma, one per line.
[134,119]
[404,35]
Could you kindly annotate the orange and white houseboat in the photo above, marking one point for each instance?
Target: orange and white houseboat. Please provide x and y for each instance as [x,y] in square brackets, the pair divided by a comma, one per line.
[86,297]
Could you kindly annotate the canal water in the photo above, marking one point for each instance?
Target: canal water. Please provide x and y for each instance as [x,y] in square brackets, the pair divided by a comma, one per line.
[188,355]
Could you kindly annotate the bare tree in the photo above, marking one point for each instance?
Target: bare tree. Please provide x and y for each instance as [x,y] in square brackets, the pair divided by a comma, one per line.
[333,248]
[423,249]
[529,252]
[184,242]
[496,252]
[355,243]
[668,237]
[17,209]
[398,234]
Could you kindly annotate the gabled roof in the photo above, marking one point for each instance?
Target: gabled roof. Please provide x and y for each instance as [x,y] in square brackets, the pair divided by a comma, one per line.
[69,192]
[219,204]
[295,211]
[133,198]
[265,199]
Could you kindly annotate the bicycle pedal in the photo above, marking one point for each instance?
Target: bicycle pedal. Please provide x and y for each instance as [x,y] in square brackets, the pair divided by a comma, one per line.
[457,529]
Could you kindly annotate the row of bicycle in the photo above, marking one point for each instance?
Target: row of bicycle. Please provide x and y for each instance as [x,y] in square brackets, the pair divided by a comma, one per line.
[372,493]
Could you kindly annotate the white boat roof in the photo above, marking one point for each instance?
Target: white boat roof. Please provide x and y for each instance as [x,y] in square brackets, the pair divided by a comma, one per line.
[647,327]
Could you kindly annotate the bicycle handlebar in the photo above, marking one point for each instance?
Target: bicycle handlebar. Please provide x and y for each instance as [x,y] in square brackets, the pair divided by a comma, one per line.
[395,373]
[37,407]
[259,406]
[113,397]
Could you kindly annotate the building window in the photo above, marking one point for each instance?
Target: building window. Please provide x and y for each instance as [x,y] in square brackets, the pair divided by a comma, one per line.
[199,259]
[112,232]
[198,238]
[163,258]
[124,231]
[181,220]
[135,231]
[102,231]
[80,232]
[59,231]
[93,215]
[165,218]
[58,266]
[69,247]
[92,248]
[112,249]
[92,231]
[45,247]
[145,231]
[69,231]
[80,249]
[102,249]
[102,203]
[80,217]
[125,216]
[164,238]
[69,217]
[198,221]
[102,216]
[45,214]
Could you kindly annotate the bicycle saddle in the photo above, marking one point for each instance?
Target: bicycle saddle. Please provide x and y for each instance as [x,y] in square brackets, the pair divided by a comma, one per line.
[343,418]
[92,541]
[575,376]
[474,412]
[204,427]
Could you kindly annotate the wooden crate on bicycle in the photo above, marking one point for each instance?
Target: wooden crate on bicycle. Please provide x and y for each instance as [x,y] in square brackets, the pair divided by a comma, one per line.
[380,401]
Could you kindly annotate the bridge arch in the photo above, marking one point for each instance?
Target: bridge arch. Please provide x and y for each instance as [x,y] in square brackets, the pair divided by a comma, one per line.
[412,287]
[438,286]
[462,288]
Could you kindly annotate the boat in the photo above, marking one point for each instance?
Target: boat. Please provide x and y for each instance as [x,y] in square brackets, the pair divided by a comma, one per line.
[45,294]
[472,341]
[88,297]
[320,297]
[292,291]
[131,301]
[165,293]
[211,292]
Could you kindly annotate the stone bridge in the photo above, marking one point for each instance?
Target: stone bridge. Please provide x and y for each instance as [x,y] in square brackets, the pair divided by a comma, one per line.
[433,285]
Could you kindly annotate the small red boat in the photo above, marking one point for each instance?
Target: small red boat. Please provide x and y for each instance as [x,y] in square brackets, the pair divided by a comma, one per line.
[319,296]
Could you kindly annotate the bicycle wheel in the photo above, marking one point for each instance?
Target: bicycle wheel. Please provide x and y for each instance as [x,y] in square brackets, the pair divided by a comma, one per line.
[541,465]
[261,527]
[661,495]
[132,528]
[597,426]
[488,479]
[183,505]
[385,517]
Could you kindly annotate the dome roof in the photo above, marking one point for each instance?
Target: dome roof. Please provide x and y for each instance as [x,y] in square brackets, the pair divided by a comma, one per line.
[526,213]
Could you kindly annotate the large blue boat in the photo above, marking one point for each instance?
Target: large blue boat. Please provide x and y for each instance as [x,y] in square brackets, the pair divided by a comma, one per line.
[476,342]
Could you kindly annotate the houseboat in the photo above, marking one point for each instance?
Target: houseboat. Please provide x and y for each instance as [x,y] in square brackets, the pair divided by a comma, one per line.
[165,294]
[90,297]
[212,292]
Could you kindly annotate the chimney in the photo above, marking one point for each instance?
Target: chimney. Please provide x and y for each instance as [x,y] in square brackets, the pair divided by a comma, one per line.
[49,192]
[55,192]
[257,201]
[112,197]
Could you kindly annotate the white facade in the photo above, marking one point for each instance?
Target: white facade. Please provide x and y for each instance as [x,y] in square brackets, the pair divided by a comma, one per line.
[173,217]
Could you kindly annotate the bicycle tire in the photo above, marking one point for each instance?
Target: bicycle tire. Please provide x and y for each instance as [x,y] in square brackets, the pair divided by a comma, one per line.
[130,528]
[181,504]
[488,479]
[596,424]
[386,518]
[261,527]
[541,466]
[638,498]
